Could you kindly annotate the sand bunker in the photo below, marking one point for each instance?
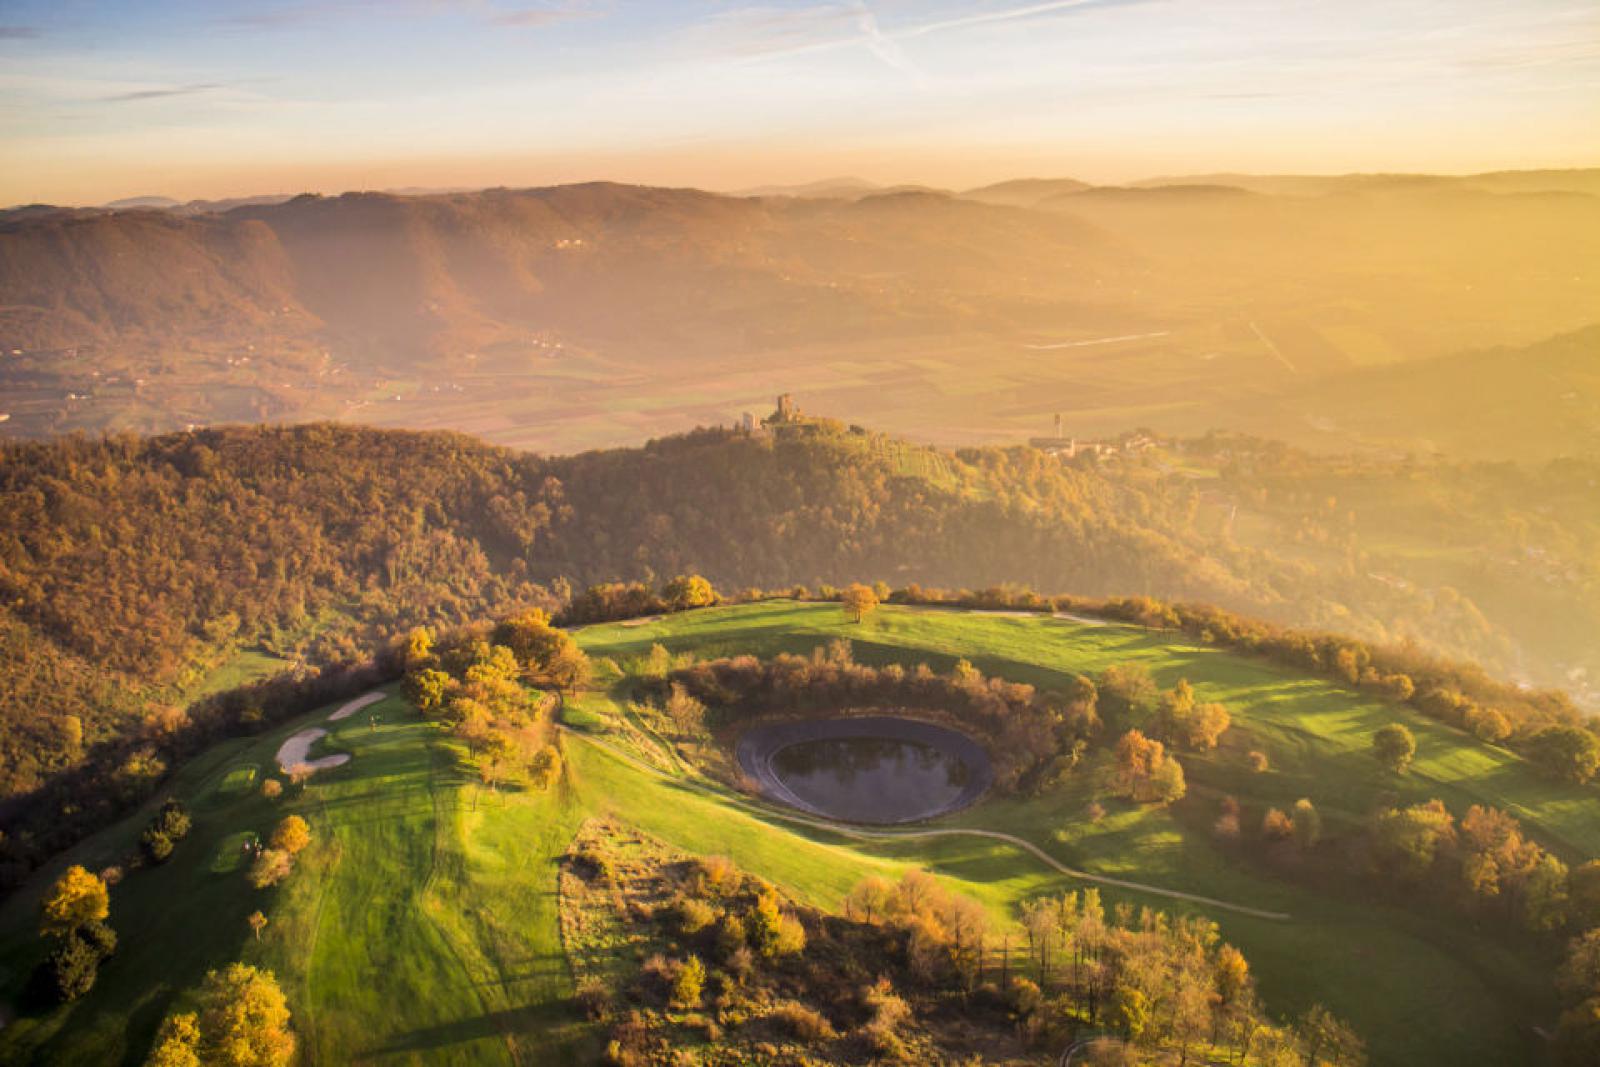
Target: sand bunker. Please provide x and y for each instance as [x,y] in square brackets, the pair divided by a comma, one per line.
[293,752]
[357,704]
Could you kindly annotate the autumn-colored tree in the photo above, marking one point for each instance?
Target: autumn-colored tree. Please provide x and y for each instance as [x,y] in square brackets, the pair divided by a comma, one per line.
[177,1042]
[686,713]
[859,600]
[244,1019]
[291,835]
[568,668]
[258,923]
[1408,840]
[418,649]
[1395,747]
[688,591]
[270,867]
[1569,753]
[272,789]
[1583,886]
[1276,825]
[428,689]
[77,898]
[870,899]
[689,985]
[656,663]
[1142,770]
[1307,823]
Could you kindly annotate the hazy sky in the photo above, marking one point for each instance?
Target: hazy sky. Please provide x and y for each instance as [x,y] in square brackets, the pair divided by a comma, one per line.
[199,98]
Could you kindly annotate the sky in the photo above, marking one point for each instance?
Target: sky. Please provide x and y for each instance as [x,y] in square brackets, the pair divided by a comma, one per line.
[217,98]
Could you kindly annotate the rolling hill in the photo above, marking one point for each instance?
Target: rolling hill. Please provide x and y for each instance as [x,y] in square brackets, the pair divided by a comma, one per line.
[569,317]
[430,919]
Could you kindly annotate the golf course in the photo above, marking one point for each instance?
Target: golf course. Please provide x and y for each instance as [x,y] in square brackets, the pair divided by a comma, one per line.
[422,923]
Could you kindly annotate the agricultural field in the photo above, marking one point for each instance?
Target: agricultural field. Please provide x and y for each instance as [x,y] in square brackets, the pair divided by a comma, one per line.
[423,922]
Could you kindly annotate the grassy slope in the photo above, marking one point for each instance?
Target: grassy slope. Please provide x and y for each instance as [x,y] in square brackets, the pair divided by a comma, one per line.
[419,929]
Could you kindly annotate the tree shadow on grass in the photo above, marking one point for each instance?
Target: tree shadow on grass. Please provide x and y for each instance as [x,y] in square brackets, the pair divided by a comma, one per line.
[555,1023]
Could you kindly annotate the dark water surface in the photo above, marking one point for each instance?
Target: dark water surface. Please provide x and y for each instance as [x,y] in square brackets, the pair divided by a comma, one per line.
[869,779]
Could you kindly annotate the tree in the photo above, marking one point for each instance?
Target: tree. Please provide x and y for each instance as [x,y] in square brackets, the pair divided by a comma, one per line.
[1128,696]
[657,663]
[1569,753]
[1307,824]
[1276,826]
[1583,887]
[1408,840]
[568,668]
[270,867]
[177,1042]
[859,600]
[291,835]
[688,986]
[1395,747]
[244,1019]
[72,736]
[427,688]
[688,591]
[1142,770]
[258,923]
[156,845]
[74,965]
[77,899]
[419,648]
[686,713]
[870,899]
[272,789]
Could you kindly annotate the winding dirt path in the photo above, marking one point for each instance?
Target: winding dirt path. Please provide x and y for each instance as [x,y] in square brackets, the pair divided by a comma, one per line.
[862,834]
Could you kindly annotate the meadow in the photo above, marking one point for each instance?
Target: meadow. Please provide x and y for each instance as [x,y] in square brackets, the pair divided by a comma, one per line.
[422,924]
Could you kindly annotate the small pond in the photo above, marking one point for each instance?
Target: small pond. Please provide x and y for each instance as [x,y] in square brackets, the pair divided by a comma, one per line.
[867,769]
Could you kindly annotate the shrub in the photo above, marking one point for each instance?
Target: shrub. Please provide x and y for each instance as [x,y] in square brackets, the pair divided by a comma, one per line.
[803,1023]
[1307,823]
[156,845]
[688,987]
[272,789]
[695,915]
[1395,747]
[1259,762]
[73,967]
[593,999]
[1276,826]
[291,835]
[270,867]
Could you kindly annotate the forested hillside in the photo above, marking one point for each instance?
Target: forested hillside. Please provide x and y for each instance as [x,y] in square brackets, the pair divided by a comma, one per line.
[131,570]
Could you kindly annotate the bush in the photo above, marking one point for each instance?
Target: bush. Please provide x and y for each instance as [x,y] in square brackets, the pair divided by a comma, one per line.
[593,999]
[1276,826]
[74,967]
[688,987]
[291,835]
[1395,747]
[802,1023]
[172,820]
[156,845]
[695,915]
[270,867]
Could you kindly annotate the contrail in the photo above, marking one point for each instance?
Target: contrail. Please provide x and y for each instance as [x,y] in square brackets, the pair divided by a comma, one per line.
[1007,15]
[1098,341]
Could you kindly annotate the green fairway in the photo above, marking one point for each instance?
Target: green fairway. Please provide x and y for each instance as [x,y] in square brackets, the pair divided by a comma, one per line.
[422,923]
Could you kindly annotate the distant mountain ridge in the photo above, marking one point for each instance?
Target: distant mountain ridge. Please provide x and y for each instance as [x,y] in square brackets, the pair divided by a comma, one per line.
[597,314]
